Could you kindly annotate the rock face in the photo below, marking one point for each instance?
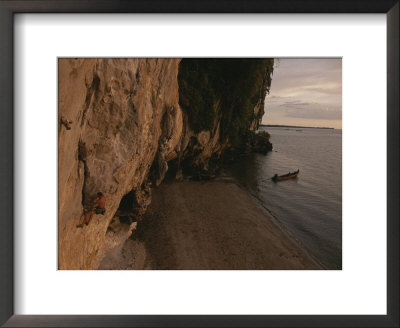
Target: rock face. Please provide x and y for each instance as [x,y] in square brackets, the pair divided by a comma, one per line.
[121,129]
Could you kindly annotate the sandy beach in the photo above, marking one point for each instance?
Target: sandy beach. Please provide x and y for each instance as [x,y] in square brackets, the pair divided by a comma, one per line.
[213,225]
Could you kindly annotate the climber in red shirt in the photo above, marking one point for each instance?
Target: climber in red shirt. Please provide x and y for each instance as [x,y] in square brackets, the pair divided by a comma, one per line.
[97,206]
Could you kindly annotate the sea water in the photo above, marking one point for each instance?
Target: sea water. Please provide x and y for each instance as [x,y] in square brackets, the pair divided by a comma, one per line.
[309,207]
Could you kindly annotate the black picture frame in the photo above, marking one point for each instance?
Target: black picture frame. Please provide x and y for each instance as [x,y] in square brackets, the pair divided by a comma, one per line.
[11,7]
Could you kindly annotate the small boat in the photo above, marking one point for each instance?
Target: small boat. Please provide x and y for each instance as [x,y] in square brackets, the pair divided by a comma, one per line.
[288,176]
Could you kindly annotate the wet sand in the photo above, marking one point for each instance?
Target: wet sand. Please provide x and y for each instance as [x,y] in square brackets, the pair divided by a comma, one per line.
[213,225]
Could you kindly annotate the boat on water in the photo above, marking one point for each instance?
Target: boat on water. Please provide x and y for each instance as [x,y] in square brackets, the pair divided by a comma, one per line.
[288,176]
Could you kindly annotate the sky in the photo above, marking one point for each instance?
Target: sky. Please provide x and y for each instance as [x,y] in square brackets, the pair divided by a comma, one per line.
[305,92]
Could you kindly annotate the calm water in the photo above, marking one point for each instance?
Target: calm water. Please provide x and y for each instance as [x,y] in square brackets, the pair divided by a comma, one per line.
[310,207]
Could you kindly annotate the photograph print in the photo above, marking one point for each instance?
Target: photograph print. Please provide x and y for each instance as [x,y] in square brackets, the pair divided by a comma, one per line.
[199,163]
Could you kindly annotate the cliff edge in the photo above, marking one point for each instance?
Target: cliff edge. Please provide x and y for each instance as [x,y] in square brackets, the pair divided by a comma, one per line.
[124,124]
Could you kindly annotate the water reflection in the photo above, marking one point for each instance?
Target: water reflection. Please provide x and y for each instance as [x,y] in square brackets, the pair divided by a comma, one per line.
[310,206]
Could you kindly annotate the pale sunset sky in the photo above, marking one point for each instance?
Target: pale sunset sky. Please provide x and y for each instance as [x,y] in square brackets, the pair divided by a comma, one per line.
[305,92]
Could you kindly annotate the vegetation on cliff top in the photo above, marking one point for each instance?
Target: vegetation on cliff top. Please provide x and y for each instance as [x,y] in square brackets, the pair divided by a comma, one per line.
[233,84]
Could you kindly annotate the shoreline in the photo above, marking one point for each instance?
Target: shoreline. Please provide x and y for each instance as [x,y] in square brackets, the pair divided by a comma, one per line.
[280,225]
[296,127]
[209,225]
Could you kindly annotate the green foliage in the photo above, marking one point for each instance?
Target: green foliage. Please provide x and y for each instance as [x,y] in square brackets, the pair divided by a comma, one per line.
[258,142]
[264,134]
[236,84]
[197,94]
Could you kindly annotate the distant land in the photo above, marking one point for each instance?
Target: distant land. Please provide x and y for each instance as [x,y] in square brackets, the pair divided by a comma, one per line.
[294,126]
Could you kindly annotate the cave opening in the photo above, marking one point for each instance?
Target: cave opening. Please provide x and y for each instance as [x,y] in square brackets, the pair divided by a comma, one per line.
[126,208]
[173,167]
[125,212]
[127,201]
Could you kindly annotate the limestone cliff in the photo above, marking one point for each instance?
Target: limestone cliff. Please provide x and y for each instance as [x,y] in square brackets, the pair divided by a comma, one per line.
[121,129]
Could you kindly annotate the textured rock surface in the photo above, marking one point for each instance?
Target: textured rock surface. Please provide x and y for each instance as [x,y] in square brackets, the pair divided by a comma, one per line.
[120,129]
[124,113]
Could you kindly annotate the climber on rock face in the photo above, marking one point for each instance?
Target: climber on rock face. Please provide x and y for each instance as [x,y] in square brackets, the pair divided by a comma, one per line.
[97,206]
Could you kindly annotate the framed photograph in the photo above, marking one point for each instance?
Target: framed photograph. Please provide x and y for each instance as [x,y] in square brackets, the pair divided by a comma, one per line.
[203,164]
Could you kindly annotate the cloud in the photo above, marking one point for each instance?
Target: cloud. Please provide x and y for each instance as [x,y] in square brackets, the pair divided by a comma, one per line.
[293,76]
[327,91]
[295,104]
[297,108]
[305,89]
[314,113]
